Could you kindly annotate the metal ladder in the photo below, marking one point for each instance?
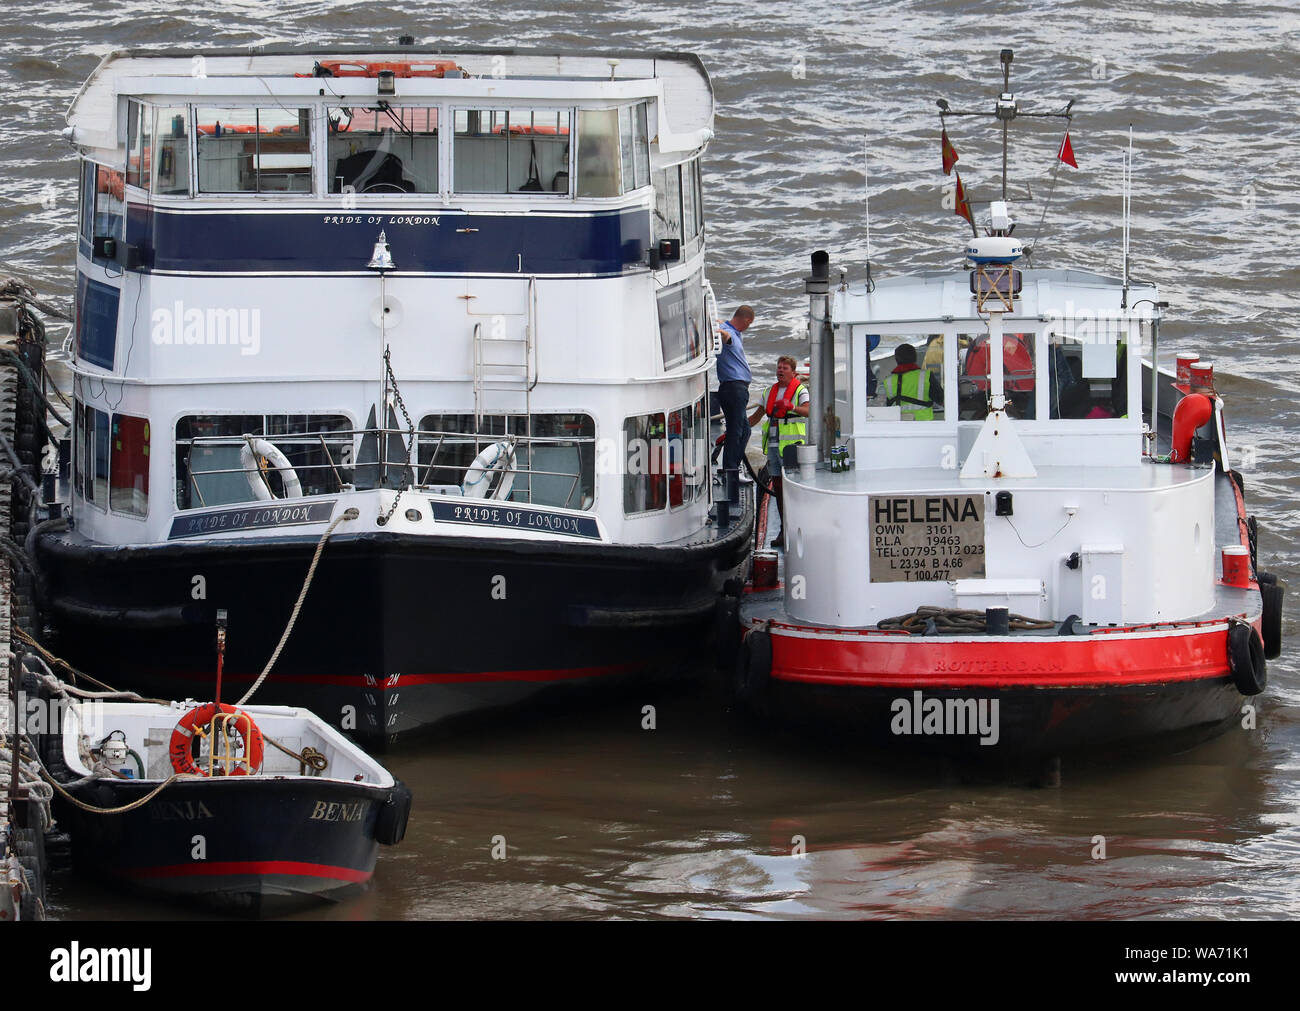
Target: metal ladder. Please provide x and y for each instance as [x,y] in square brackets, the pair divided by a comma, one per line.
[505,370]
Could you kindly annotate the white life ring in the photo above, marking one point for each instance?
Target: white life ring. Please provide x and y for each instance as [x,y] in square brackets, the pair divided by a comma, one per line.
[250,454]
[498,458]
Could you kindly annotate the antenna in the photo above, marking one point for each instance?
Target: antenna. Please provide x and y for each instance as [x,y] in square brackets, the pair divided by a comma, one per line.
[1128,203]
[866,204]
[1005,56]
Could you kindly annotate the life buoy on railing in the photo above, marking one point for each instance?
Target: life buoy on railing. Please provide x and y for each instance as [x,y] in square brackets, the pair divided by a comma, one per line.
[497,461]
[1246,657]
[251,456]
[200,720]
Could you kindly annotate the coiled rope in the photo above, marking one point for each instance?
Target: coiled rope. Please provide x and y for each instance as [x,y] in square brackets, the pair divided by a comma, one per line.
[947,620]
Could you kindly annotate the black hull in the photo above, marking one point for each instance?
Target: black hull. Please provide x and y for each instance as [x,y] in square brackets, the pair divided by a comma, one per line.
[398,633]
[249,847]
[1031,722]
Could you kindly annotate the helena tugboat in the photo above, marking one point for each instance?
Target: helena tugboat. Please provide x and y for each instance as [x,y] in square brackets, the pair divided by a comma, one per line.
[447,311]
[1009,561]
[272,809]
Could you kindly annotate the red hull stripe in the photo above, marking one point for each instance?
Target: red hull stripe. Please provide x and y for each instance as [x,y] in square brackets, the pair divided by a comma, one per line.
[233,867]
[1085,661]
[359,681]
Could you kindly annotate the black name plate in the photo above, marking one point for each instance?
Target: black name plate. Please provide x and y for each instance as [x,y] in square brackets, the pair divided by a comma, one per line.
[249,518]
[487,513]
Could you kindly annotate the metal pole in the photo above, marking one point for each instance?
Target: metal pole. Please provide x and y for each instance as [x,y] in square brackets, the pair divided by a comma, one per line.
[817,286]
[997,391]
[1155,374]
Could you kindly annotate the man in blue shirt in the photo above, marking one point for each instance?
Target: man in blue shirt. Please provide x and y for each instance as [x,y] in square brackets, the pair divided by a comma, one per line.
[734,378]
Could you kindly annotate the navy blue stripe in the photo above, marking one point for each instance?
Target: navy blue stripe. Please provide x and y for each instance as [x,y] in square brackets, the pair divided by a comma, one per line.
[337,242]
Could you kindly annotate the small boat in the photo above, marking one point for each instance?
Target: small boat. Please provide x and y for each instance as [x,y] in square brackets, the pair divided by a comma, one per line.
[1030,541]
[255,811]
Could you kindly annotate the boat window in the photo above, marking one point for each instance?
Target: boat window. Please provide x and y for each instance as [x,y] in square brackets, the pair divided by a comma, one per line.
[641,146]
[254,150]
[910,381]
[682,326]
[668,203]
[86,208]
[511,151]
[690,212]
[139,144]
[209,471]
[1086,377]
[1017,375]
[383,149]
[645,485]
[598,153]
[110,206]
[128,486]
[172,142]
[687,454]
[91,455]
[555,462]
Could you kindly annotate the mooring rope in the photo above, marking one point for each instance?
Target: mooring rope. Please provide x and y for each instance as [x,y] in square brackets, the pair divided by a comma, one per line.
[952,619]
[347,514]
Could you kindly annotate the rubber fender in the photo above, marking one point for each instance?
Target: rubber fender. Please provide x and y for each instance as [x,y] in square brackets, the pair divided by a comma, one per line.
[1246,658]
[1273,590]
[754,671]
[726,630]
[390,826]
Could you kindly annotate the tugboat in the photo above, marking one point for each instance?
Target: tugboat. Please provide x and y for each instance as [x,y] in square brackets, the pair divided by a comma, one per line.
[1030,541]
[438,320]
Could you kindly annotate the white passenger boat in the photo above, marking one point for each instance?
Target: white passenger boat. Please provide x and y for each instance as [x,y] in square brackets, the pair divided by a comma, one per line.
[446,308]
[1038,545]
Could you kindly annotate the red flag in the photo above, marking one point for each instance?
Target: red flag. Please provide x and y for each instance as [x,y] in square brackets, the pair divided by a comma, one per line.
[963,205]
[949,154]
[1066,154]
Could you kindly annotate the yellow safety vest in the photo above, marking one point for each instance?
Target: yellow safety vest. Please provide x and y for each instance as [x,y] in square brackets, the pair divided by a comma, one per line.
[793,428]
[912,396]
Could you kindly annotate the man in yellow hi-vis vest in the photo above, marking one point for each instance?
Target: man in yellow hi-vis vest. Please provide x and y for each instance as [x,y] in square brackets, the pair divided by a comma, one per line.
[786,408]
[912,388]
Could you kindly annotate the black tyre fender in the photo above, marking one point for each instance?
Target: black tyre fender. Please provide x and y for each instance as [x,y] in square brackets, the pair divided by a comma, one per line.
[1273,591]
[754,671]
[390,825]
[1246,657]
[726,631]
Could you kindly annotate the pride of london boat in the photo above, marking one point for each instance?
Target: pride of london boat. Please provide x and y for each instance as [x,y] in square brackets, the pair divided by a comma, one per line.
[1009,561]
[440,317]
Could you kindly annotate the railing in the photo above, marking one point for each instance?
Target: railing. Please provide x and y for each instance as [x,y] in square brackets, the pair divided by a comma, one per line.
[328,463]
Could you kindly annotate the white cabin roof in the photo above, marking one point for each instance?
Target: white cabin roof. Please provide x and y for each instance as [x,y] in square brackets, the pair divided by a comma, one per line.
[678,79]
[945,295]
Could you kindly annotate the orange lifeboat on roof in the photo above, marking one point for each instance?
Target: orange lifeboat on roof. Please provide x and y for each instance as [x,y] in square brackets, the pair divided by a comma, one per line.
[406,68]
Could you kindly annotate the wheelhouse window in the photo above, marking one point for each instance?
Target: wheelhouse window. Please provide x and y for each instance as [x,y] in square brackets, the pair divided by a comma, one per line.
[212,454]
[1087,376]
[383,149]
[103,202]
[139,144]
[555,457]
[90,459]
[128,485]
[511,150]
[678,211]
[254,150]
[172,144]
[645,471]
[599,157]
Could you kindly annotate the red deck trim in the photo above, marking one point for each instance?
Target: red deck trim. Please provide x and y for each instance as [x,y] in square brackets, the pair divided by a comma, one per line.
[204,869]
[1085,661]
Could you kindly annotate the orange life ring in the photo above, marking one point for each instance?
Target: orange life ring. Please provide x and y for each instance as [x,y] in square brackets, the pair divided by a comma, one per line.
[201,716]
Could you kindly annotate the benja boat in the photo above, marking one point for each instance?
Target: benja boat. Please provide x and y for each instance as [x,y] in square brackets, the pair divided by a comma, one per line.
[1039,543]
